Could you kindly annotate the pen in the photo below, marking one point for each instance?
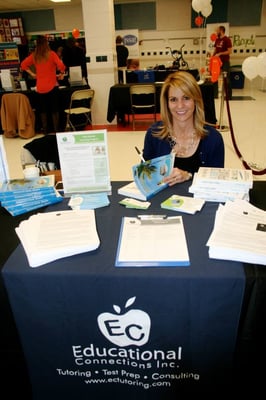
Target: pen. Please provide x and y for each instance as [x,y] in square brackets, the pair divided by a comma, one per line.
[140,154]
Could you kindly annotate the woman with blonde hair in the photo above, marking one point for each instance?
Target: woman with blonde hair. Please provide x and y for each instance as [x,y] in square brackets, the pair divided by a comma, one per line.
[183,130]
[46,63]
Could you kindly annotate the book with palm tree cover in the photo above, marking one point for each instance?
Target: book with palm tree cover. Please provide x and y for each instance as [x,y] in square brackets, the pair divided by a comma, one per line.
[149,175]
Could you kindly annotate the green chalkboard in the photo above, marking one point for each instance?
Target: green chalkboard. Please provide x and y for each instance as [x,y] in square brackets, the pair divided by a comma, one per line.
[135,16]
[38,20]
[244,12]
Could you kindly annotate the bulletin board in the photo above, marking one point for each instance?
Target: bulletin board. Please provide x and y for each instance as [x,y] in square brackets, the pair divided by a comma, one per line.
[11,30]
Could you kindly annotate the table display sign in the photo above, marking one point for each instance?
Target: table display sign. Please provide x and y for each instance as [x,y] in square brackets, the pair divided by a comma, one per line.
[4,172]
[84,161]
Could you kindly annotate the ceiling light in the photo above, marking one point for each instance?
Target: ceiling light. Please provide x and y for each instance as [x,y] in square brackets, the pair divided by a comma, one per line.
[60,1]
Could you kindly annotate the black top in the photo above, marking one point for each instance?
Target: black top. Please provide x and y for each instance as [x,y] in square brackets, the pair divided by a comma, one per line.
[122,55]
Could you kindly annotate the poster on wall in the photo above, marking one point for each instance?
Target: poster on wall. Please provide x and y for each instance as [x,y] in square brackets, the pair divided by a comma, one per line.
[11,30]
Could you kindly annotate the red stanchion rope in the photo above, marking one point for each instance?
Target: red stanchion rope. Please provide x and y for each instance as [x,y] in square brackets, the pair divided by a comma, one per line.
[245,164]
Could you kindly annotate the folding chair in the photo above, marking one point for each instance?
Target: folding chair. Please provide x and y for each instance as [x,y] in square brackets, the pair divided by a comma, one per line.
[143,101]
[79,111]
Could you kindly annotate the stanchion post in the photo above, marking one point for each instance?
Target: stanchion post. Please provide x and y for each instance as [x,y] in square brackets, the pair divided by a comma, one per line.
[222,127]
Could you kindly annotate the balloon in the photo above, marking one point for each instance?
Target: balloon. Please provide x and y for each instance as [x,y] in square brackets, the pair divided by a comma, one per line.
[75,33]
[250,67]
[207,10]
[215,68]
[196,5]
[213,37]
[198,20]
[262,56]
[205,3]
[262,65]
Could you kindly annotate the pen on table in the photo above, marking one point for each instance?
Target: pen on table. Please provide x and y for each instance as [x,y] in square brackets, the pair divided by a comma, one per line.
[140,154]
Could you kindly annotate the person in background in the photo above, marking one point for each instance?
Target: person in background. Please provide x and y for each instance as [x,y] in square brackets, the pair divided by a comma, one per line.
[73,56]
[183,130]
[223,49]
[122,55]
[59,52]
[133,64]
[46,63]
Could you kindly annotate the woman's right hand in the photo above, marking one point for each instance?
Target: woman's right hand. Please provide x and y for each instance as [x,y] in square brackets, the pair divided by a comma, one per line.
[177,176]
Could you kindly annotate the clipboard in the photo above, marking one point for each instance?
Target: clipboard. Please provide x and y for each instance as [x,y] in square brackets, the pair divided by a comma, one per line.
[152,241]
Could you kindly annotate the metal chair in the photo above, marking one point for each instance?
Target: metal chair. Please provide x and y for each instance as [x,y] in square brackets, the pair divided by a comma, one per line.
[143,101]
[79,111]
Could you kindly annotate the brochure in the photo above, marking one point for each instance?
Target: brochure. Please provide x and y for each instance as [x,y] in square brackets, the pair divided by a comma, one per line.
[149,175]
[20,184]
[185,204]
[84,161]
[88,201]
[131,190]
[22,208]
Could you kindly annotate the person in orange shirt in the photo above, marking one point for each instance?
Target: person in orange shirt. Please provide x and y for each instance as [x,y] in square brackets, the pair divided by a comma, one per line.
[46,63]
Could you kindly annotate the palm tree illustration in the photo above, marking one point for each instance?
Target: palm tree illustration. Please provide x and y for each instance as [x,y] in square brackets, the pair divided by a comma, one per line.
[145,170]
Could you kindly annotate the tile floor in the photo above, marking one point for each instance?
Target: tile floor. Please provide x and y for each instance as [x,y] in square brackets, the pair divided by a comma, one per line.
[248,120]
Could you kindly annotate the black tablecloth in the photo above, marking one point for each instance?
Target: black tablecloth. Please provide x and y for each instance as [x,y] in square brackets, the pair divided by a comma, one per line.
[56,307]
[119,101]
[64,101]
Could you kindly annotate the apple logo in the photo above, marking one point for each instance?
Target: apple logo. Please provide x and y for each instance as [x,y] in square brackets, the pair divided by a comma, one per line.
[130,328]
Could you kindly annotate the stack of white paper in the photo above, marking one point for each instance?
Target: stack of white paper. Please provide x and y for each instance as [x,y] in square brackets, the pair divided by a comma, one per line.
[239,233]
[221,184]
[50,236]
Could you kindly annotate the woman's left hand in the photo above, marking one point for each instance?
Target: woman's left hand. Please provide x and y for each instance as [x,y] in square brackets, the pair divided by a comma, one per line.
[60,76]
[177,176]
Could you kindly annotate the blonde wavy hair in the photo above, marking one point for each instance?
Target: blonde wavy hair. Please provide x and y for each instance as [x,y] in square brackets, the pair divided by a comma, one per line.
[189,86]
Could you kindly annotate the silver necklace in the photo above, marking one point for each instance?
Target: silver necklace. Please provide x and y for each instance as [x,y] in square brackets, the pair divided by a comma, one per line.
[180,149]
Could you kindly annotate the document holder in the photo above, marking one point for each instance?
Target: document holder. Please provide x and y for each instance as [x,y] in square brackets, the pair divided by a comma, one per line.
[152,241]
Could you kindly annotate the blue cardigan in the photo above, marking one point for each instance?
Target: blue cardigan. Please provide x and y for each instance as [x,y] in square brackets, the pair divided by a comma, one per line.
[210,150]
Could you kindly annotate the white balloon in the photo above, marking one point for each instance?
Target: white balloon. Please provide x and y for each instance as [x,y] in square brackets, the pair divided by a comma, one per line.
[261,68]
[196,5]
[205,3]
[262,57]
[250,67]
[207,10]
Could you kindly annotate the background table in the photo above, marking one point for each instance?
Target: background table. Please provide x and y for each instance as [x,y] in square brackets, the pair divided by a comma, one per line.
[119,101]
[196,308]
[64,101]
